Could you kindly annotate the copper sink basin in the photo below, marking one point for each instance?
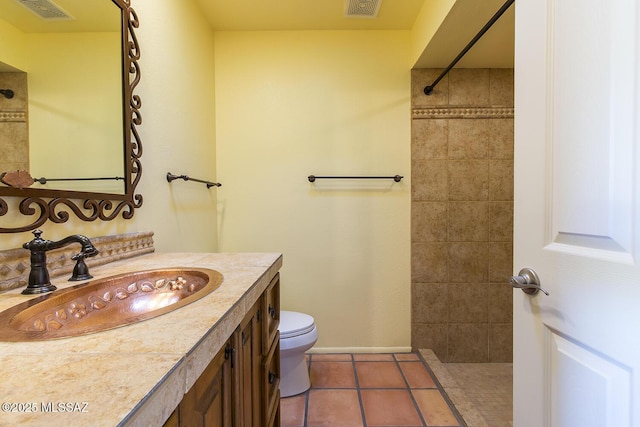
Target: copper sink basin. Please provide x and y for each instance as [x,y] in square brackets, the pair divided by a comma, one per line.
[106,303]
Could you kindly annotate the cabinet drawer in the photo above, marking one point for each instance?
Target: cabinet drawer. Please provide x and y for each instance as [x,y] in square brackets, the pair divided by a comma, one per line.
[271,309]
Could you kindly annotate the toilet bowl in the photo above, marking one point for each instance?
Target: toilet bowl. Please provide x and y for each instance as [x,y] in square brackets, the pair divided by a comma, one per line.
[298,334]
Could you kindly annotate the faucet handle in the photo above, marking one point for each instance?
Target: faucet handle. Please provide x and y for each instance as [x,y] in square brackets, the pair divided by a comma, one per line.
[38,243]
[81,271]
[89,252]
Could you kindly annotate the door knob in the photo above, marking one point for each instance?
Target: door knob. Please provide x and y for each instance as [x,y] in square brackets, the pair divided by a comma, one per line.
[528,281]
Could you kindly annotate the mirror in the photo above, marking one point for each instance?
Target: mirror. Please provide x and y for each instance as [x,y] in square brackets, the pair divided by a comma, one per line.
[73,79]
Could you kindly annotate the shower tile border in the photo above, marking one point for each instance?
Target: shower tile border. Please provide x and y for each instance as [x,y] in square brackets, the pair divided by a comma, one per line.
[462,113]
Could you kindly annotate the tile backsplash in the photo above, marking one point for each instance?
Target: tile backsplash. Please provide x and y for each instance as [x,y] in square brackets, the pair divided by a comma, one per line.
[15,263]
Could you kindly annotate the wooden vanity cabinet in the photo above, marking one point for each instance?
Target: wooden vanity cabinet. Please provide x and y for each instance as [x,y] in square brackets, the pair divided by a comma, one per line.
[240,386]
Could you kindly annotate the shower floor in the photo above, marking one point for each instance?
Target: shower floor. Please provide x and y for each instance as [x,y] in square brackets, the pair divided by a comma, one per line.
[481,392]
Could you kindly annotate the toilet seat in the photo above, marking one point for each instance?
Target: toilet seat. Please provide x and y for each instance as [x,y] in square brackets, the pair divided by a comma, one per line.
[293,324]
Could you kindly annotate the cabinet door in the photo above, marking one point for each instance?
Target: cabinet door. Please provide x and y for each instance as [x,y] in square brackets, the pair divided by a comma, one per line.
[249,370]
[271,308]
[208,402]
[271,384]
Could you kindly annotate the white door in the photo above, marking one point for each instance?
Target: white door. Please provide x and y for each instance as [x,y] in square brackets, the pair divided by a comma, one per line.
[577,213]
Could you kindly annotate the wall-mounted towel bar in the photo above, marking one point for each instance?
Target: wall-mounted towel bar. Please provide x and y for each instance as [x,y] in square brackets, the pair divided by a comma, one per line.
[44,180]
[396,178]
[429,89]
[171,177]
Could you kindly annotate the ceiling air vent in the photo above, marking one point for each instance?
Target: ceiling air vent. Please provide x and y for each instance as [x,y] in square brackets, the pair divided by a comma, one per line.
[362,8]
[45,9]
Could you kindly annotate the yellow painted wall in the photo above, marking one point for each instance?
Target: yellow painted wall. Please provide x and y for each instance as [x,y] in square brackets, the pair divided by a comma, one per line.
[13,53]
[81,114]
[290,104]
[177,133]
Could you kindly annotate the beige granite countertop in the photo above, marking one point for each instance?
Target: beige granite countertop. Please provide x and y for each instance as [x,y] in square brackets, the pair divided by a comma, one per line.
[134,375]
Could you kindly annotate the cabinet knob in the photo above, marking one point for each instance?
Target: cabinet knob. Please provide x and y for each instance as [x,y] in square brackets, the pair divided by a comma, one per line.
[272,311]
[229,353]
[272,377]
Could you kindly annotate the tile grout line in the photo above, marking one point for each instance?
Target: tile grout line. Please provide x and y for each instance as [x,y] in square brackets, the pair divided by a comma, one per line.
[408,388]
[357,380]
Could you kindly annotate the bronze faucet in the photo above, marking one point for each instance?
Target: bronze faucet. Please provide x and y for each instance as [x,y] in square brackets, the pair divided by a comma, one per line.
[39,281]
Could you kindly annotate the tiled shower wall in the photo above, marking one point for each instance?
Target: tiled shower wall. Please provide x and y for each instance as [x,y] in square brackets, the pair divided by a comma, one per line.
[13,123]
[462,214]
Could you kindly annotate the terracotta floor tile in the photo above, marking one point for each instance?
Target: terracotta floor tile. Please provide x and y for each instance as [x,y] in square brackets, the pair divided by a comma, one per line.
[389,408]
[434,408]
[417,375]
[379,375]
[334,408]
[406,356]
[373,357]
[292,411]
[338,357]
[392,389]
[332,375]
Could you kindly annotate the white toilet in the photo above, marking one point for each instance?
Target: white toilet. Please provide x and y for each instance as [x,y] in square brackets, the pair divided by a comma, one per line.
[298,334]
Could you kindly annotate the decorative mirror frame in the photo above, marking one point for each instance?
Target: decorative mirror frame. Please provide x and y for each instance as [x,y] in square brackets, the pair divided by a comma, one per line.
[54,205]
